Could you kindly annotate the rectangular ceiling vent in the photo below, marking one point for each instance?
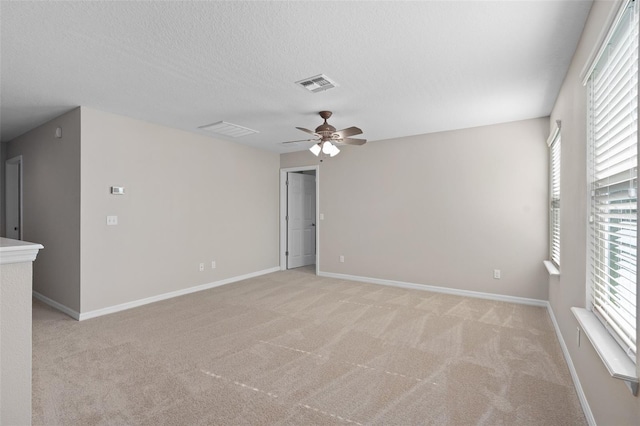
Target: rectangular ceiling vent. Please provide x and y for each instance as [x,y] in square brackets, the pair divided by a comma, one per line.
[319,83]
[228,129]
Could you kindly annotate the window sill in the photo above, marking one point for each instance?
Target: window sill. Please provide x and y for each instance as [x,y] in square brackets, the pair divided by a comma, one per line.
[551,268]
[618,363]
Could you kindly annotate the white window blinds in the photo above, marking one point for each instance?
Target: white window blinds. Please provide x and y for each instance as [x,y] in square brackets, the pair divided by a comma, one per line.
[554,196]
[613,153]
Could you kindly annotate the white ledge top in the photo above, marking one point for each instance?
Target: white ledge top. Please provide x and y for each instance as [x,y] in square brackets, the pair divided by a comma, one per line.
[618,363]
[551,268]
[16,251]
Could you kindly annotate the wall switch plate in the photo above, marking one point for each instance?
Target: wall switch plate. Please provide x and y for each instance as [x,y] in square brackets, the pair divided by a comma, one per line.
[341,259]
[496,274]
[117,190]
[321,216]
[201,267]
[213,264]
[112,220]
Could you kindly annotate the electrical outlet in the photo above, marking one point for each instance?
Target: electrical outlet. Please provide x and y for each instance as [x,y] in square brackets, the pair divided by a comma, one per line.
[341,259]
[496,274]
[213,264]
[112,220]
[201,267]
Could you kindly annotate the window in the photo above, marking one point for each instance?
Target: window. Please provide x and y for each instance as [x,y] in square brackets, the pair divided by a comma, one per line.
[612,166]
[554,196]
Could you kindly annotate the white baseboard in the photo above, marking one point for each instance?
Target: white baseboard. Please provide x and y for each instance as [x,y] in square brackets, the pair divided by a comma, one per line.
[574,374]
[141,302]
[128,305]
[436,289]
[59,306]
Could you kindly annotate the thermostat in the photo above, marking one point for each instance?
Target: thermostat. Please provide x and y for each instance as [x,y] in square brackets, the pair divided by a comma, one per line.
[117,190]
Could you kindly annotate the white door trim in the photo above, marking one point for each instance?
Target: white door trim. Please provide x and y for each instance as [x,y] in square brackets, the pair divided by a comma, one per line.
[12,162]
[283,212]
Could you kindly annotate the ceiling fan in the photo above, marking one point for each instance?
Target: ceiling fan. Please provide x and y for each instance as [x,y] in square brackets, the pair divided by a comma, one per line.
[327,137]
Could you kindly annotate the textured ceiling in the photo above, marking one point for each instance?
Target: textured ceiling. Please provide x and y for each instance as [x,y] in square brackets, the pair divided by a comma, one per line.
[403,68]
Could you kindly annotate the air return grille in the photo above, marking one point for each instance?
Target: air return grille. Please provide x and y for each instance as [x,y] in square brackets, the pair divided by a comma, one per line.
[319,83]
[228,129]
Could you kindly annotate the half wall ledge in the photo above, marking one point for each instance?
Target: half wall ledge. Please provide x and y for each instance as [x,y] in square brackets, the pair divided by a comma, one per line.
[618,363]
[15,251]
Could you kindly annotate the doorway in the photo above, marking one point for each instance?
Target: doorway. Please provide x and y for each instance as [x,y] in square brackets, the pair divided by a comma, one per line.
[299,228]
[13,198]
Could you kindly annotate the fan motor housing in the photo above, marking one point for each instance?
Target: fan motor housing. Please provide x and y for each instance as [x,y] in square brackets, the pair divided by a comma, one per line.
[325,129]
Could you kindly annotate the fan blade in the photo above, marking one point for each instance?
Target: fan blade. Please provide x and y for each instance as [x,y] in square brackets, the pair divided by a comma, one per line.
[352,141]
[308,131]
[350,131]
[302,140]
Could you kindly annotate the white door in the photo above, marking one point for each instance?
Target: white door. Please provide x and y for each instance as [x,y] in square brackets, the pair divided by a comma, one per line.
[13,198]
[301,220]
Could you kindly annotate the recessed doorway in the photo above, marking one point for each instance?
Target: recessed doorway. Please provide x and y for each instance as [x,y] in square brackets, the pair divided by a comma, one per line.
[13,198]
[299,228]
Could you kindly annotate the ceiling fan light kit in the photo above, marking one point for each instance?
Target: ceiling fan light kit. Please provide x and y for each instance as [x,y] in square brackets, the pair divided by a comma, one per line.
[327,137]
[326,148]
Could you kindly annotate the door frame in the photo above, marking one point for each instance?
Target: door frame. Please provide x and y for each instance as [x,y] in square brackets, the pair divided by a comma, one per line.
[283,213]
[12,162]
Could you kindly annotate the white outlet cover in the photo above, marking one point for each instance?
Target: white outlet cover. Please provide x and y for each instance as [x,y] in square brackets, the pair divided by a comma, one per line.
[112,220]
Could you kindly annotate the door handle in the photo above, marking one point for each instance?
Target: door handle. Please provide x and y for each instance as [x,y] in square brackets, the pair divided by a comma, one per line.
[313,224]
[16,228]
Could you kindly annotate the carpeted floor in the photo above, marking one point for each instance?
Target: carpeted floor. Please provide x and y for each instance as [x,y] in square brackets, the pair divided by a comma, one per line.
[291,348]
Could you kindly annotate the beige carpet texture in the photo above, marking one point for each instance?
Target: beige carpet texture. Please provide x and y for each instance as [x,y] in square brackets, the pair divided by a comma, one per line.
[292,348]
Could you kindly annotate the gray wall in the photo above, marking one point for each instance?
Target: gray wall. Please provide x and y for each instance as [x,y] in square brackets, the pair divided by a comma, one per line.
[189,199]
[3,158]
[51,205]
[609,399]
[443,209]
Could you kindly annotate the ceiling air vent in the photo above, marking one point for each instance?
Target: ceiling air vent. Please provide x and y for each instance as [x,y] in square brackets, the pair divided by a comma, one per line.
[228,129]
[319,83]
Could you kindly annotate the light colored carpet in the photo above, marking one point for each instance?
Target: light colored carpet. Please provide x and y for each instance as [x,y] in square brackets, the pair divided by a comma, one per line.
[290,348]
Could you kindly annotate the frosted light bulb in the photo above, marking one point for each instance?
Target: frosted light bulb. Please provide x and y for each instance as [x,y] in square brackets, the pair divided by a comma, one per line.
[315,149]
[327,147]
